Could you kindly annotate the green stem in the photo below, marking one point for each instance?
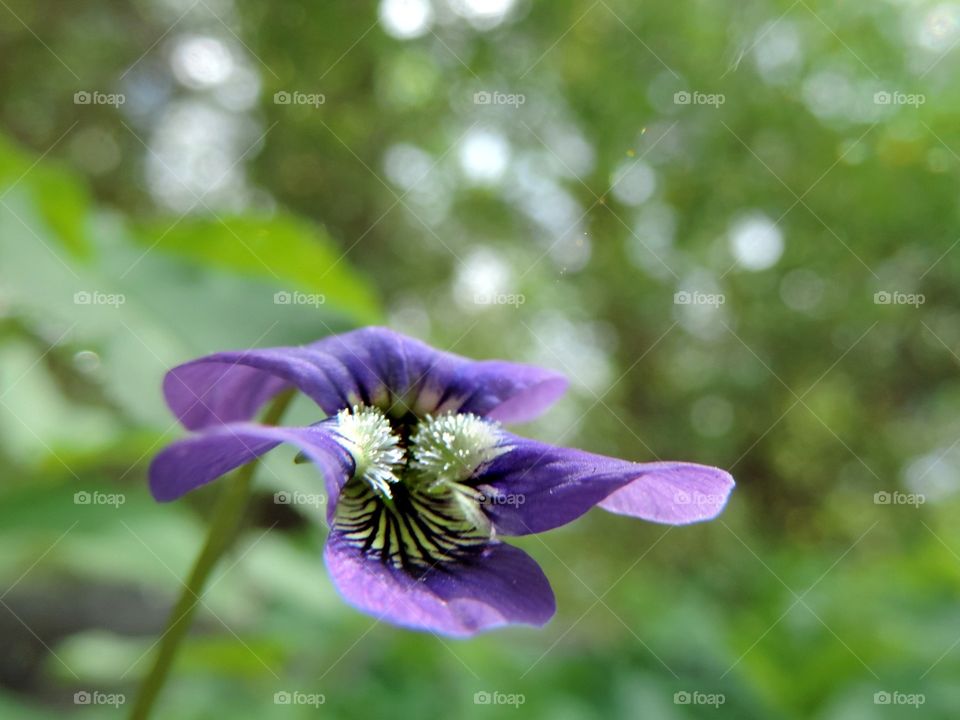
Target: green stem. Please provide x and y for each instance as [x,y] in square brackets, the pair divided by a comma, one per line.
[224,524]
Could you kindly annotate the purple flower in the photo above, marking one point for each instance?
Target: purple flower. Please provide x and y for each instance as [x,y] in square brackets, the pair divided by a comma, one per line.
[421,479]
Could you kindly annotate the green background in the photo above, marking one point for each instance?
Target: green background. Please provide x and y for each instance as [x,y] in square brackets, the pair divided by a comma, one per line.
[814,166]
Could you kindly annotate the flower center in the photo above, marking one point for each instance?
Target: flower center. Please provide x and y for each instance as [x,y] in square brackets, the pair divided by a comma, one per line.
[410,501]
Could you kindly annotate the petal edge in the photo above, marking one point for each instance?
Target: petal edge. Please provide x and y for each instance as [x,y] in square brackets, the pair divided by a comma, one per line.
[502,586]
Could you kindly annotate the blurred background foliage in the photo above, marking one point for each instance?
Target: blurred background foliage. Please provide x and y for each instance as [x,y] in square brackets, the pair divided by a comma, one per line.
[689,208]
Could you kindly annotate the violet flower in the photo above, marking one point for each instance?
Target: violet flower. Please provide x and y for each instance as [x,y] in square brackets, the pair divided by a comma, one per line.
[421,479]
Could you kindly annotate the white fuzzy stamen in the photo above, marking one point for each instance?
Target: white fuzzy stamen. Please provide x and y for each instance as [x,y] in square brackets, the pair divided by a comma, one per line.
[370,440]
[450,448]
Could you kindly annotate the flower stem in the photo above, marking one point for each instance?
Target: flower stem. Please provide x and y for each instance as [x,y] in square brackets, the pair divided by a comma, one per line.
[224,524]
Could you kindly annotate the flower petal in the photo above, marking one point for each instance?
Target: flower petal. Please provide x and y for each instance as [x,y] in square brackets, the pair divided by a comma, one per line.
[499,586]
[534,487]
[196,460]
[674,493]
[371,366]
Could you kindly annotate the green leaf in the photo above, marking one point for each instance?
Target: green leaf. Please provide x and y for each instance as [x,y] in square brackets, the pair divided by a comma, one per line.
[144,300]
[287,250]
[60,196]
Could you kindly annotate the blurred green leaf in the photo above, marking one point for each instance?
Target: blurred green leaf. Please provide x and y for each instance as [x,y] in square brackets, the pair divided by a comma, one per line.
[59,193]
[290,252]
